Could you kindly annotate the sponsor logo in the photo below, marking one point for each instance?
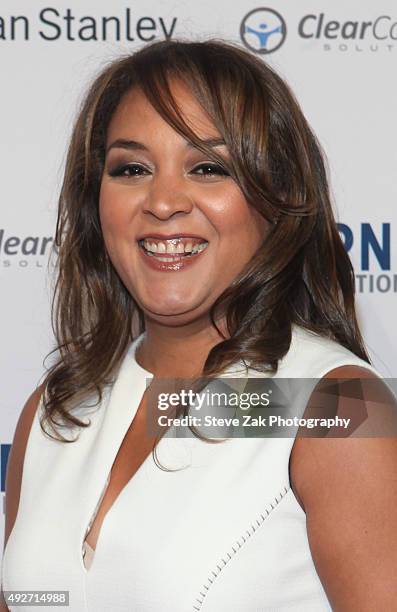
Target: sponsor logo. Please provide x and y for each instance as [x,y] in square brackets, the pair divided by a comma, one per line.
[4,452]
[378,33]
[24,252]
[52,24]
[370,251]
[263,30]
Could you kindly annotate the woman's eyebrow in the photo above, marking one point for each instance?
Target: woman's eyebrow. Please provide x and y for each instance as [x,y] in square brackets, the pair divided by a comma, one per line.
[210,142]
[133,145]
[121,143]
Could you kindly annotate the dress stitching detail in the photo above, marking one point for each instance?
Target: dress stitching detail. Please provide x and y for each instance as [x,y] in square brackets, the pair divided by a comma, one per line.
[235,549]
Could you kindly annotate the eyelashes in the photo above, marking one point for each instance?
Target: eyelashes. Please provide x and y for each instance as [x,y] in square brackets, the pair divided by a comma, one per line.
[137,170]
[214,169]
[124,169]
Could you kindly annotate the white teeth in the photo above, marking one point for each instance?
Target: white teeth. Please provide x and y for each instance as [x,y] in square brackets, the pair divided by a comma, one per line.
[169,259]
[173,248]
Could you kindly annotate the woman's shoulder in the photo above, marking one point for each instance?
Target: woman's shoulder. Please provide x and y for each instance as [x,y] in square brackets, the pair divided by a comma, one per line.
[348,490]
[312,355]
[346,484]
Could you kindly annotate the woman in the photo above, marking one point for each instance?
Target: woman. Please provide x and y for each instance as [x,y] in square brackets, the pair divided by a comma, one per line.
[196,236]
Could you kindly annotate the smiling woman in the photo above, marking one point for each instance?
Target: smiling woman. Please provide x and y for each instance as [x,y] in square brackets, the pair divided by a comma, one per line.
[159,194]
[196,238]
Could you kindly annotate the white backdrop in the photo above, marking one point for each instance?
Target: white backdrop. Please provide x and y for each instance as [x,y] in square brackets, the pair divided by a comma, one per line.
[340,59]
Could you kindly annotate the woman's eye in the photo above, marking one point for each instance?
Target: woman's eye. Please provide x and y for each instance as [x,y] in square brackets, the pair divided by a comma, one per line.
[206,169]
[210,169]
[129,170]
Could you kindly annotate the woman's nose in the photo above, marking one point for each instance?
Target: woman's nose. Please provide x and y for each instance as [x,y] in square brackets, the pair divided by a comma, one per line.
[167,196]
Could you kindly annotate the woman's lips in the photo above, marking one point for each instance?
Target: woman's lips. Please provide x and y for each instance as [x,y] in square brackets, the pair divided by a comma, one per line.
[176,261]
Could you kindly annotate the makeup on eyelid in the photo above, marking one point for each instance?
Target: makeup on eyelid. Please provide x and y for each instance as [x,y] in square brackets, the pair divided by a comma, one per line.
[215,170]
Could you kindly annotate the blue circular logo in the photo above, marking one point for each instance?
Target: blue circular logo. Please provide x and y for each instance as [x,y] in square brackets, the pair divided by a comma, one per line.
[263,30]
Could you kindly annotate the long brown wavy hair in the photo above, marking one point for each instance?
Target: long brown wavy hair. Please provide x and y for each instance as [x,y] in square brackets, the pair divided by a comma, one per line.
[301,273]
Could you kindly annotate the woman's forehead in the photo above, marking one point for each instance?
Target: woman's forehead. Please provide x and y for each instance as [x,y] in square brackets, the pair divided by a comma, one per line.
[136,112]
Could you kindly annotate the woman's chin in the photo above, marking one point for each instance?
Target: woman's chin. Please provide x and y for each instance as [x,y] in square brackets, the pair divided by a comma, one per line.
[167,311]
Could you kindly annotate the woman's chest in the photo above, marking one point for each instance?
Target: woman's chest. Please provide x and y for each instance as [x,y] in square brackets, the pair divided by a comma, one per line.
[218,531]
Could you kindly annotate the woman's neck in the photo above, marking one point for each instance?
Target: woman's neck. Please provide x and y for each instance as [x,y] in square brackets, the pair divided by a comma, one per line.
[173,352]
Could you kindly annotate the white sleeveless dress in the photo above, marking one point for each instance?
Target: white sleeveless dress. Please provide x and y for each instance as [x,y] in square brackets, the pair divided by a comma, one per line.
[225,534]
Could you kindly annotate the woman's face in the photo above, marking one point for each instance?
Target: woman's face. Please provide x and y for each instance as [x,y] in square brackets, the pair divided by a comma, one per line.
[157,187]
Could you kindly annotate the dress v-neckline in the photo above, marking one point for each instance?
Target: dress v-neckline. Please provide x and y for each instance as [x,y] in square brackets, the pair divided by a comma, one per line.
[125,398]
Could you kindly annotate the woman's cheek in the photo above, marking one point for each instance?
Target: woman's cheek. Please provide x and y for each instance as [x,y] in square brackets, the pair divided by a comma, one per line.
[112,206]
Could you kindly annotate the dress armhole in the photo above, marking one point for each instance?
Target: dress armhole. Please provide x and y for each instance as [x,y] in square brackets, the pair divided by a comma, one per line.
[362,406]
[16,458]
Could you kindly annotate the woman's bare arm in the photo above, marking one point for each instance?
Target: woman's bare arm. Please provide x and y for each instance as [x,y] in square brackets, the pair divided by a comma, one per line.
[15,466]
[348,489]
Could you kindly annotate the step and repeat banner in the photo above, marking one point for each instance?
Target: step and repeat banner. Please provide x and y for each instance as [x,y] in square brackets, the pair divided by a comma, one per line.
[340,59]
